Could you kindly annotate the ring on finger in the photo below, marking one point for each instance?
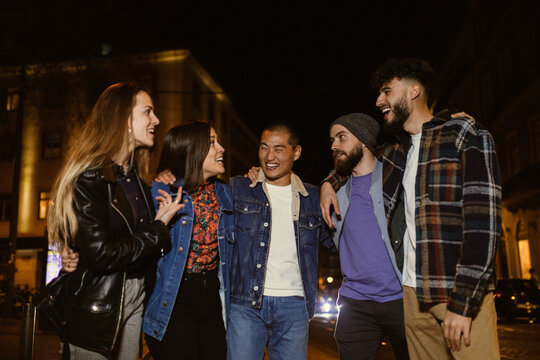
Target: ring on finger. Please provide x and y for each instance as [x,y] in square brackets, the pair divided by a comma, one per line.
[177,201]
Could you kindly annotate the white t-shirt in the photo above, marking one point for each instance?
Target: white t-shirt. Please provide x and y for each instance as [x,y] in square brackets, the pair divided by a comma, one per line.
[409,238]
[283,276]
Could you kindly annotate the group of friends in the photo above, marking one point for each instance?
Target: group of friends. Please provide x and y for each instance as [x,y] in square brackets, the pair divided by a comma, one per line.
[215,270]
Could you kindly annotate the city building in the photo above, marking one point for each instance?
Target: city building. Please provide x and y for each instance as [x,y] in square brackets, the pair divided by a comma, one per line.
[50,101]
[493,73]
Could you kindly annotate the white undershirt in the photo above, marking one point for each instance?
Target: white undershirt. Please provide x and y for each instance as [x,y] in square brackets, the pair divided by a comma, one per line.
[409,238]
[283,276]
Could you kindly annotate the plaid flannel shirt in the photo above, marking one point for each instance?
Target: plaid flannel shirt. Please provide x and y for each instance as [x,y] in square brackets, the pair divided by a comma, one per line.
[458,210]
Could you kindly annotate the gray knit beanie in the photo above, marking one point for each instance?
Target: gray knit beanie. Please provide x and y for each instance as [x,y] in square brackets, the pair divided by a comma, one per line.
[364,127]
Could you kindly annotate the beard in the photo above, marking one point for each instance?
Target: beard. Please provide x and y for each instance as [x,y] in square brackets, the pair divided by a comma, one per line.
[401,113]
[345,166]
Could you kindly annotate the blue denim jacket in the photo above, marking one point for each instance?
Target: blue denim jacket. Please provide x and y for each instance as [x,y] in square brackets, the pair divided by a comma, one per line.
[171,266]
[252,224]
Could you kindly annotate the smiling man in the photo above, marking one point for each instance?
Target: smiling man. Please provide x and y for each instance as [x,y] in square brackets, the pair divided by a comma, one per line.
[442,198]
[278,228]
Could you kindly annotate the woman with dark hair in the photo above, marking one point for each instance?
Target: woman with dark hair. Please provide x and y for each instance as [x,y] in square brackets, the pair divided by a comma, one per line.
[186,313]
[101,209]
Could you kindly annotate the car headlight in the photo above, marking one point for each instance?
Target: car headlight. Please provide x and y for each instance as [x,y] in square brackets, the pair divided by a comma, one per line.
[327,307]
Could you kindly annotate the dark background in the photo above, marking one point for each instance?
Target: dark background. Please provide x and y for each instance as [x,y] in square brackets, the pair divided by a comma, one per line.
[305,63]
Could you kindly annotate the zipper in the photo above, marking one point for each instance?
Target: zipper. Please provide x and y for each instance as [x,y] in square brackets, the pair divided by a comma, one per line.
[82,283]
[123,217]
[120,312]
[117,330]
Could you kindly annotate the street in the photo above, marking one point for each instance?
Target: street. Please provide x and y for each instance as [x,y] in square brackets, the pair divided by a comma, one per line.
[518,341]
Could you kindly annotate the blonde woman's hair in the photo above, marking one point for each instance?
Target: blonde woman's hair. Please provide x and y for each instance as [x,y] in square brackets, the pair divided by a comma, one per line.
[94,146]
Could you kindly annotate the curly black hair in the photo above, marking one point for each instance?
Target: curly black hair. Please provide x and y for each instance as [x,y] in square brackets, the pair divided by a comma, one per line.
[404,68]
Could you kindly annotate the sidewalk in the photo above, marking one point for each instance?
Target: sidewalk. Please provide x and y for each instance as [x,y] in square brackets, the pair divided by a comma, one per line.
[46,343]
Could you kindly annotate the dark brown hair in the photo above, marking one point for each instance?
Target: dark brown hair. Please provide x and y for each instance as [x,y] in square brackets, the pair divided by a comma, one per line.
[184,149]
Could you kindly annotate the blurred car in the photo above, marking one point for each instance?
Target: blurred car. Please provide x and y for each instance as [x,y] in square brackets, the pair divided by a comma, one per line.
[517,298]
[326,304]
[327,295]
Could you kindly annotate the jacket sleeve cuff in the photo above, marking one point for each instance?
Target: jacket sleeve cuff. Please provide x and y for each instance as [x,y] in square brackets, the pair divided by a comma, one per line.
[335,180]
[463,305]
[163,237]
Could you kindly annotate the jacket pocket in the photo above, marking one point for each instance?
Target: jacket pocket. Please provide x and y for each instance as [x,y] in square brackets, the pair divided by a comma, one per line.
[445,183]
[245,215]
[309,226]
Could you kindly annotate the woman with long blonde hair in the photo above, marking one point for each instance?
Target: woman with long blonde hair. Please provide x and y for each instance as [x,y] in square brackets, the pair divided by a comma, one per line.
[102,209]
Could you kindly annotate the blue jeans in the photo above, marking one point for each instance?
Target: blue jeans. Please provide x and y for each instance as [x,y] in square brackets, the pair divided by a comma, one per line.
[281,323]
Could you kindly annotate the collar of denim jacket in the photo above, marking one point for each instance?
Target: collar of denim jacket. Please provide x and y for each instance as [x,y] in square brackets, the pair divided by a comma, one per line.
[296,184]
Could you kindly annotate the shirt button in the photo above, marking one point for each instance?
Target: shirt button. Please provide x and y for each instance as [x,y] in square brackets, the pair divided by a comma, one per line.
[262,243]
[141,220]
[155,332]
[115,201]
[165,303]
[185,201]
[255,288]
[310,225]
[180,249]
[265,224]
[259,266]
[267,204]
[246,208]
[128,180]
[136,198]
[253,302]
[184,222]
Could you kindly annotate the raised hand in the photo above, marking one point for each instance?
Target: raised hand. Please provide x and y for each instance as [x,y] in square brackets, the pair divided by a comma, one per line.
[168,208]
[70,259]
[328,200]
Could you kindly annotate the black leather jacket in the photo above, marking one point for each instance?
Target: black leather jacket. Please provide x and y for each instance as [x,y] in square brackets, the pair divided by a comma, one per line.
[93,299]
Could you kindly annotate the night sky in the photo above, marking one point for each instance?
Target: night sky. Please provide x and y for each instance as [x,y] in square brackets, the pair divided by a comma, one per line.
[304,63]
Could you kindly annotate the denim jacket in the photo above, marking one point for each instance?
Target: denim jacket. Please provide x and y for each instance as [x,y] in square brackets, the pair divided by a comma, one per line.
[171,266]
[395,249]
[252,225]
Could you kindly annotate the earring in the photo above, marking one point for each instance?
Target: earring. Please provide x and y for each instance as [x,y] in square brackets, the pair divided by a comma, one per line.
[129,130]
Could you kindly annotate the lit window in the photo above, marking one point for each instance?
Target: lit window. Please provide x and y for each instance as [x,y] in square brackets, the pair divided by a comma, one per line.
[44,202]
[12,99]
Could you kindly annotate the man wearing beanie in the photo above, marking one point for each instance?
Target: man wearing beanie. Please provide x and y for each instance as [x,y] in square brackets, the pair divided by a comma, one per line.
[442,194]
[370,298]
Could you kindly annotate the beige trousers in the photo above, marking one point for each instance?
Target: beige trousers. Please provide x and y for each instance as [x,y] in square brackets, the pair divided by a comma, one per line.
[425,335]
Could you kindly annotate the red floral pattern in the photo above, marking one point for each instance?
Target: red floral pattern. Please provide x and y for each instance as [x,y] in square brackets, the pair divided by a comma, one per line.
[204,252]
